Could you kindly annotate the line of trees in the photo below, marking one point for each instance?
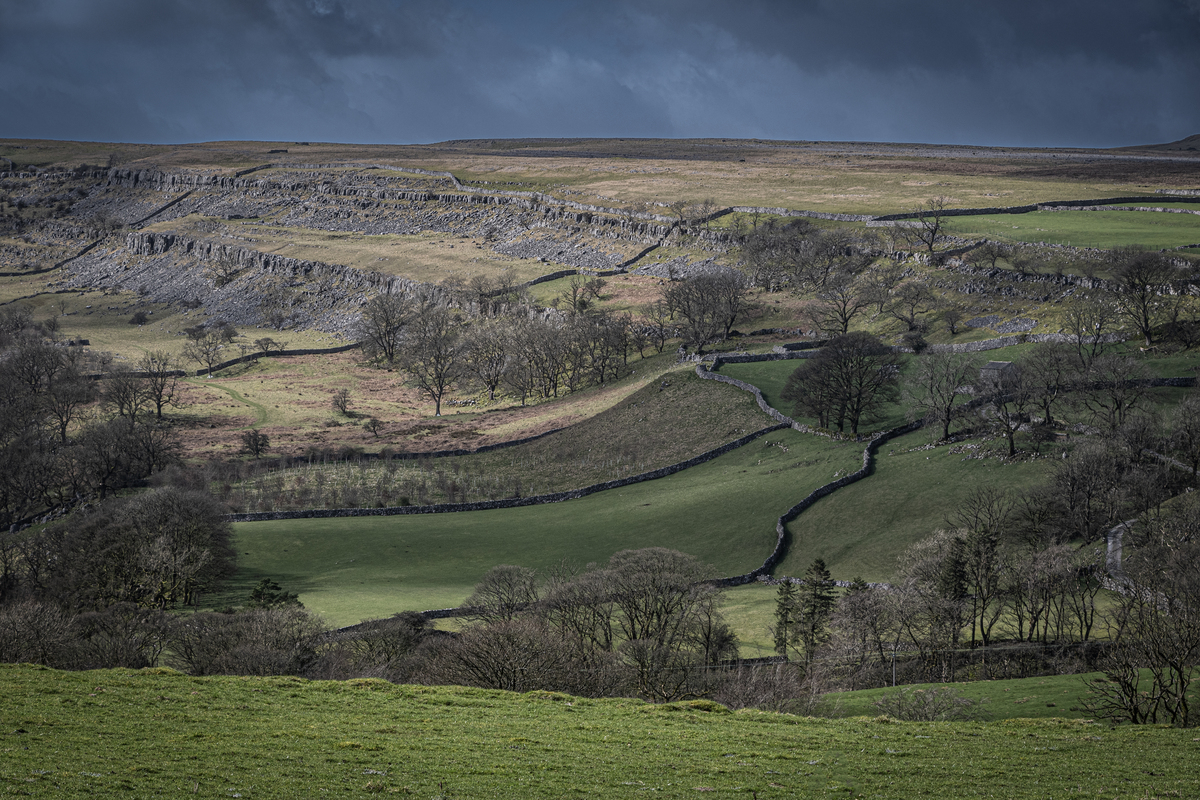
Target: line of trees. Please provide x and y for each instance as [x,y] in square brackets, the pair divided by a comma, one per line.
[525,353]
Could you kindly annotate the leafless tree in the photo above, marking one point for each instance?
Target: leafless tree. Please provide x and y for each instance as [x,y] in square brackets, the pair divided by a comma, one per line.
[838,303]
[709,304]
[432,352]
[1141,278]
[936,386]
[1008,400]
[1156,624]
[340,401]
[930,219]
[126,392]
[222,269]
[206,350]
[850,381]
[1113,388]
[1051,370]
[910,301]
[827,253]
[504,593]
[989,254]
[382,325]
[161,375]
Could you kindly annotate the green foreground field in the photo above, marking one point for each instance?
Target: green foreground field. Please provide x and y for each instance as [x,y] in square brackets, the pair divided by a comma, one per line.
[132,734]
[348,569]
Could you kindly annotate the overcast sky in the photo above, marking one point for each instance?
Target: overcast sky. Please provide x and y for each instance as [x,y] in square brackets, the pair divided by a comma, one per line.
[1089,73]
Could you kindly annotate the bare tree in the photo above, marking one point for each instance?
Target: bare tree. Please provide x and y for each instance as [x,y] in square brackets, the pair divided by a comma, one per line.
[1141,277]
[1156,620]
[658,319]
[1185,433]
[1050,369]
[935,386]
[222,269]
[206,350]
[680,209]
[880,282]
[853,377]
[1113,389]
[838,303]
[432,352]
[769,253]
[989,254]
[930,218]
[1089,319]
[709,303]
[1008,400]
[910,301]
[382,324]
[340,401]
[126,392]
[255,442]
[824,254]
[504,593]
[161,374]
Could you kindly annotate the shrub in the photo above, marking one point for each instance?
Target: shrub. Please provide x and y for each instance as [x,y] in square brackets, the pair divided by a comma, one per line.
[934,704]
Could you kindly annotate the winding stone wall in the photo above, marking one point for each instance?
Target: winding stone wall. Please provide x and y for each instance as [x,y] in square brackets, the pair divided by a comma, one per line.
[512,502]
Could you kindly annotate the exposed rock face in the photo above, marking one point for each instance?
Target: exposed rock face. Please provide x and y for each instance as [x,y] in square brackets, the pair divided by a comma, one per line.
[175,267]
[171,269]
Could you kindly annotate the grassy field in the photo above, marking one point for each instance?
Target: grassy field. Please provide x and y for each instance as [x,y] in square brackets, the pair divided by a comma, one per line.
[643,432]
[155,734]
[427,257]
[828,176]
[1030,698]
[350,569]
[861,529]
[771,376]
[1083,228]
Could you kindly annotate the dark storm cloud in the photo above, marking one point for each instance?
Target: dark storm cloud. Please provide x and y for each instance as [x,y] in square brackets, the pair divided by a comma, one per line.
[1069,73]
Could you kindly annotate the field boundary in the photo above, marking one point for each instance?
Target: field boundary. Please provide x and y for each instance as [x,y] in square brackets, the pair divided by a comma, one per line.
[510,502]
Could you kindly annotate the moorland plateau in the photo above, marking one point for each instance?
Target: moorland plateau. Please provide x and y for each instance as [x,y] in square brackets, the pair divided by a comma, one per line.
[516,380]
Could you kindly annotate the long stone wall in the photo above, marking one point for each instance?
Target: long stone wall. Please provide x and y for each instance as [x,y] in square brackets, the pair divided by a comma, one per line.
[1049,205]
[781,531]
[1009,341]
[512,502]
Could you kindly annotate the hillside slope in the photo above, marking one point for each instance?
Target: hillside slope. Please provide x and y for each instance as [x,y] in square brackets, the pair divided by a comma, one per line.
[130,734]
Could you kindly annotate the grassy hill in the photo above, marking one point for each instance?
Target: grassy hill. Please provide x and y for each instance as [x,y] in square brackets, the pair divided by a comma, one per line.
[348,569]
[156,734]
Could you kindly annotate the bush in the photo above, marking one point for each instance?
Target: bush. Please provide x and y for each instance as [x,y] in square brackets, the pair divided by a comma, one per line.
[945,704]
[261,641]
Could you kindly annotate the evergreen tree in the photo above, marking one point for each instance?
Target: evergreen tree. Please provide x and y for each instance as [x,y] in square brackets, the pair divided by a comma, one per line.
[785,616]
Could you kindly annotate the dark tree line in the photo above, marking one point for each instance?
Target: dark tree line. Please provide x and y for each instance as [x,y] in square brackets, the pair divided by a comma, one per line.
[527,353]
[65,435]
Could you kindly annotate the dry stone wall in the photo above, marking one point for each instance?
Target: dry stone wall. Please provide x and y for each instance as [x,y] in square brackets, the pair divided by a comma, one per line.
[512,502]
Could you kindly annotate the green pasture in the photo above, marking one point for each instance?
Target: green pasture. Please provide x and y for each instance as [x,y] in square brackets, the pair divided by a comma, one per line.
[640,433]
[1027,698]
[723,511]
[154,733]
[861,529]
[771,377]
[1083,228]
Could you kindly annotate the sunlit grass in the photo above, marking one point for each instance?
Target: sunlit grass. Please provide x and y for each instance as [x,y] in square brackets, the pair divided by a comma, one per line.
[146,734]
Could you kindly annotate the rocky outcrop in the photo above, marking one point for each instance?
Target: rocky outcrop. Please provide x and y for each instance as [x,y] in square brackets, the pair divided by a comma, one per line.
[169,268]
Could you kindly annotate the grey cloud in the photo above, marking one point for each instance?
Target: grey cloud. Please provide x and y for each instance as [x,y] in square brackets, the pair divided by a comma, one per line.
[1087,73]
